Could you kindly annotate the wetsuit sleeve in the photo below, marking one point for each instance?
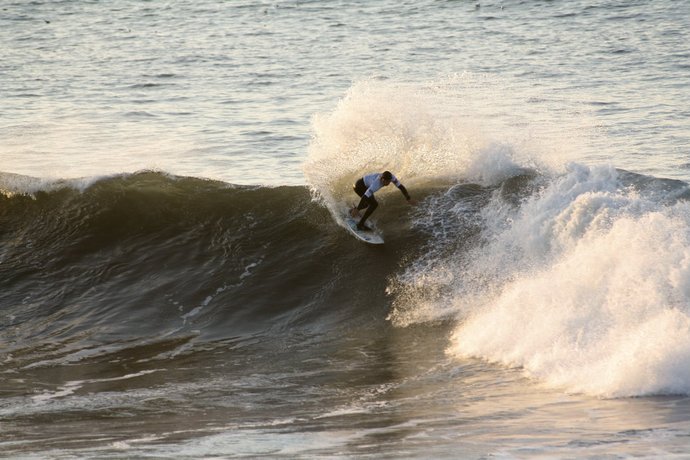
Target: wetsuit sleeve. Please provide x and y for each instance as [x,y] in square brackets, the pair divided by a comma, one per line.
[404,191]
[402,188]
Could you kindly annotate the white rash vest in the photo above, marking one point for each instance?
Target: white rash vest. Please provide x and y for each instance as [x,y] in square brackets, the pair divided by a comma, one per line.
[373,183]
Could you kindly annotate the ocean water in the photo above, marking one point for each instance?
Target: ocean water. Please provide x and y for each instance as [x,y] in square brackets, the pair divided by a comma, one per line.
[176,281]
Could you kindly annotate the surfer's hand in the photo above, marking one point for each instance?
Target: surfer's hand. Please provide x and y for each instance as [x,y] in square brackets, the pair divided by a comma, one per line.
[354,212]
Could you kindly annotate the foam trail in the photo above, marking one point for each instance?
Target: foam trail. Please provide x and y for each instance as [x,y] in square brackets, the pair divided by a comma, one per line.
[586,286]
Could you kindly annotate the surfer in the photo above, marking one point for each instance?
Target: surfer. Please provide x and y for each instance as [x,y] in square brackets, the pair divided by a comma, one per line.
[366,186]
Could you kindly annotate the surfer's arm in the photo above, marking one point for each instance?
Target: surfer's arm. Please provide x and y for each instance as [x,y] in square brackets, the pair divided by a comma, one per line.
[402,188]
[407,195]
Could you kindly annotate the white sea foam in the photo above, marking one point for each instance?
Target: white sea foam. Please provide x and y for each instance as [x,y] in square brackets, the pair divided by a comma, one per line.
[585,285]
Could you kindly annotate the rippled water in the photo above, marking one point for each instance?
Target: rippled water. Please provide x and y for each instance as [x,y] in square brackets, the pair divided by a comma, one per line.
[227,90]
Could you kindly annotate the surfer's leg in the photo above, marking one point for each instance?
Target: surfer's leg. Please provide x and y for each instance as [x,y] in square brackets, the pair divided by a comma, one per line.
[371,207]
[364,203]
[359,189]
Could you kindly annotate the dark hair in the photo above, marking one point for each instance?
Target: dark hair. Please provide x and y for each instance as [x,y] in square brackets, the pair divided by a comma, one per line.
[387,176]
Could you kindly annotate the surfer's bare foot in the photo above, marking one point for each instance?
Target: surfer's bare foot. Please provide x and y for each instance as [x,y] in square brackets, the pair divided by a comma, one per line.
[363,228]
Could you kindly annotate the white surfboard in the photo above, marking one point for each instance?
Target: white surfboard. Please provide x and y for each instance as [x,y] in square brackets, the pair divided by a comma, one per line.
[371,237]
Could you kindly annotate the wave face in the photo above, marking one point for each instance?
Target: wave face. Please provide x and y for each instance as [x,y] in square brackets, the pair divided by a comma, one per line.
[146,256]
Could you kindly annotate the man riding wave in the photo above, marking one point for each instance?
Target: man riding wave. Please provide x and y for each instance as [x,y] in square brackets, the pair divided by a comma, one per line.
[366,186]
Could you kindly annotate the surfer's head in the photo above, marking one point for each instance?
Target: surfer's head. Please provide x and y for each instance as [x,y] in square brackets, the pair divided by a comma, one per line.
[386,177]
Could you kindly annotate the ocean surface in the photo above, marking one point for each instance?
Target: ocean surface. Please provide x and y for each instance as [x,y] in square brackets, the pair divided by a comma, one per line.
[176,281]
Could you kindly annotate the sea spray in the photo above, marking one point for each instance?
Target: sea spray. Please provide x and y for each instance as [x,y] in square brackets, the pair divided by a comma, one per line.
[440,132]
